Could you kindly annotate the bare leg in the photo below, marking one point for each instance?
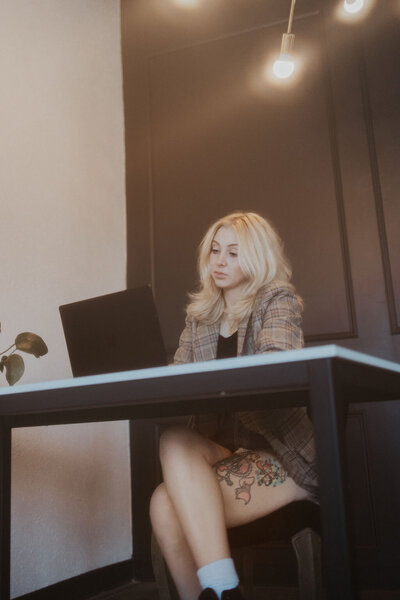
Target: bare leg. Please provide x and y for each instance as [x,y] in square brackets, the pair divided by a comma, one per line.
[173,544]
[187,459]
[254,484]
[206,490]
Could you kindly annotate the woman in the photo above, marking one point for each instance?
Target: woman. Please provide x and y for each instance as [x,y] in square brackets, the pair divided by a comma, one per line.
[257,462]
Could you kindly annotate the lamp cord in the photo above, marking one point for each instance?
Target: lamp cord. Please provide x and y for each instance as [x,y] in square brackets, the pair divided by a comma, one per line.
[289,30]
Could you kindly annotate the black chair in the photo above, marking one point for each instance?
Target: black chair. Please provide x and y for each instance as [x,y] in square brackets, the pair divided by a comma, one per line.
[297,523]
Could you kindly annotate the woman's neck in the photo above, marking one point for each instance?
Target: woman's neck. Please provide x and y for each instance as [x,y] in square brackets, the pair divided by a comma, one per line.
[226,329]
[231,297]
[228,326]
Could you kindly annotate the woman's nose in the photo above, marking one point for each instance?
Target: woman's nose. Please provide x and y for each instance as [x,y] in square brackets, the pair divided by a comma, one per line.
[221,259]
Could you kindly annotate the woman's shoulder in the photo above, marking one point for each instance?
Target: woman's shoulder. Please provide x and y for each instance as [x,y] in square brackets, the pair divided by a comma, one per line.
[275,288]
[192,324]
[275,292]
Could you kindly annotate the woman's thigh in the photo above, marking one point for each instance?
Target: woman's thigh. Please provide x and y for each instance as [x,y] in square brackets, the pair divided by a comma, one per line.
[253,484]
[181,443]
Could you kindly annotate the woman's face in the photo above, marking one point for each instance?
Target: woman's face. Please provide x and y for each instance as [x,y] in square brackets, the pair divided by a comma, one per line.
[224,260]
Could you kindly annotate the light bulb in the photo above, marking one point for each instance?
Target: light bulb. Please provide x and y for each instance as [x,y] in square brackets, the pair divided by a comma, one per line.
[188,3]
[283,67]
[353,6]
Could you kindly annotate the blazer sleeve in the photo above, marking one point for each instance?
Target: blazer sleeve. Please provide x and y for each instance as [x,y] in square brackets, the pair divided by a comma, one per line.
[184,353]
[280,323]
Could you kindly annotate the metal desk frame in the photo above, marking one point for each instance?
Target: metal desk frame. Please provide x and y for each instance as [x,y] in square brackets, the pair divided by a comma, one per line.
[326,378]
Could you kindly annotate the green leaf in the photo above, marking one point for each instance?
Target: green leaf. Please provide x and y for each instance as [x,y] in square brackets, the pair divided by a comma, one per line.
[14,368]
[31,343]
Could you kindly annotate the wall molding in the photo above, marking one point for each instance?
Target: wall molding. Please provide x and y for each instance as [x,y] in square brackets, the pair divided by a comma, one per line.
[376,187]
[357,420]
[352,331]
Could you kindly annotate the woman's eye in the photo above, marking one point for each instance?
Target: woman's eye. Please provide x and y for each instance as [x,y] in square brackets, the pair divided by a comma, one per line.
[214,250]
[233,253]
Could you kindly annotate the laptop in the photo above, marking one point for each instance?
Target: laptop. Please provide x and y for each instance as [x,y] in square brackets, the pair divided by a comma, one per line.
[114,332]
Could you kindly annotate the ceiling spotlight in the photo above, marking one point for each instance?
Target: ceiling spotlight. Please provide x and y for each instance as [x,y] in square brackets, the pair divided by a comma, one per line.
[353,6]
[284,66]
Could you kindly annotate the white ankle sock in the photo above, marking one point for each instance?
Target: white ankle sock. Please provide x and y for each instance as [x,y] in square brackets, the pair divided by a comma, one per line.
[219,575]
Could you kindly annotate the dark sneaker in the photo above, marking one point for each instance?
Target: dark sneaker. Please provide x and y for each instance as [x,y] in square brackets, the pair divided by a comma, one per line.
[209,594]
[234,594]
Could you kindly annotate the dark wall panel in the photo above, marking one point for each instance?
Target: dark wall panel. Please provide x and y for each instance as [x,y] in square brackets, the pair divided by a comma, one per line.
[360,484]
[148,28]
[222,139]
[381,55]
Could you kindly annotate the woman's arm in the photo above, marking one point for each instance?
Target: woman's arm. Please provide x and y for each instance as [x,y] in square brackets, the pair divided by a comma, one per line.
[184,353]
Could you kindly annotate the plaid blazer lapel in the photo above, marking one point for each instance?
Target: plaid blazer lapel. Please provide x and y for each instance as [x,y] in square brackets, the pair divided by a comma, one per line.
[242,329]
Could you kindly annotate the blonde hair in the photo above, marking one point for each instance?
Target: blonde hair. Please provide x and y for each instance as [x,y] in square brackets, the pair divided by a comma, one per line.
[261,259]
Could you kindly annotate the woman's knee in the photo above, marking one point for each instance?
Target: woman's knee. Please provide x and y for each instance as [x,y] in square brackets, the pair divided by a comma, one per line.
[160,506]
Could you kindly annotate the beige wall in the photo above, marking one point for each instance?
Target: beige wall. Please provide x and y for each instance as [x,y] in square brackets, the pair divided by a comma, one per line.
[62,238]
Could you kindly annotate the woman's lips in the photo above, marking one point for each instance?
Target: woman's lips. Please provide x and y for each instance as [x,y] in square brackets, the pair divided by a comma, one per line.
[219,275]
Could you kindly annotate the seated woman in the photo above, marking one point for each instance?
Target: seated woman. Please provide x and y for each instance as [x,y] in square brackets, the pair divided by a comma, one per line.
[257,461]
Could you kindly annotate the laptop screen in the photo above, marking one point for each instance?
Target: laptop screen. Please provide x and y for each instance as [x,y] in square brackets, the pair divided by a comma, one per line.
[115,332]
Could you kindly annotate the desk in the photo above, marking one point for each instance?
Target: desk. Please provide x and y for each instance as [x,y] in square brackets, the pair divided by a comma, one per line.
[327,378]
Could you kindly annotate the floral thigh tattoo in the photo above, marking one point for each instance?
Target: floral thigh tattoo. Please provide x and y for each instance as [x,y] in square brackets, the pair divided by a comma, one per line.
[248,468]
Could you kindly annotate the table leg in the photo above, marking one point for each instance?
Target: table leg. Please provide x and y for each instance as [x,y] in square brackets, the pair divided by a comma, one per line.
[329,414]
[5,510]
[144,466]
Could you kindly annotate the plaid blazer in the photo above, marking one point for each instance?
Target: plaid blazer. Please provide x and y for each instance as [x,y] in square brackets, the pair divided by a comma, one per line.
[274,324]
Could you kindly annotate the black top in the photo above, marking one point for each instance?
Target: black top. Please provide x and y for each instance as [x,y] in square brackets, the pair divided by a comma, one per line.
[227,346]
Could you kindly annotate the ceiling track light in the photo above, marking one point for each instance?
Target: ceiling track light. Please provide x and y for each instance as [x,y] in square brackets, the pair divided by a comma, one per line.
[284,65]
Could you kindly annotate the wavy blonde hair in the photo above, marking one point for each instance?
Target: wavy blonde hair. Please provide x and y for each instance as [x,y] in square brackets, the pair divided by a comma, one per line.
[261,259]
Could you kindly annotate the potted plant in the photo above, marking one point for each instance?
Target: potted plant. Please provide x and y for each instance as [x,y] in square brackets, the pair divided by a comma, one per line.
[13,364]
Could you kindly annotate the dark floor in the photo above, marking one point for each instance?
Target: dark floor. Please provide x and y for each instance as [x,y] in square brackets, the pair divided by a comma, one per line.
[148,591]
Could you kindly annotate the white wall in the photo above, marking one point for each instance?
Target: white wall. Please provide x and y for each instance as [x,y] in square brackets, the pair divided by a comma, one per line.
[62,238]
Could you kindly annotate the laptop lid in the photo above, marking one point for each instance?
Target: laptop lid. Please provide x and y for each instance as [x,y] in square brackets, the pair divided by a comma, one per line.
[115,332]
